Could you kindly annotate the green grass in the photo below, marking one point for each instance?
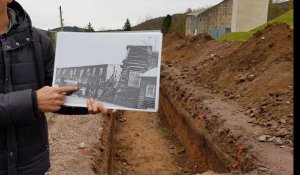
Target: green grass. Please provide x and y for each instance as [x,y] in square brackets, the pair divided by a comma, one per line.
[288,18]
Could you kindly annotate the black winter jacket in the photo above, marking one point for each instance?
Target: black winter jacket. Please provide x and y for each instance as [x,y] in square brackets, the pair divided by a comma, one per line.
[26,64]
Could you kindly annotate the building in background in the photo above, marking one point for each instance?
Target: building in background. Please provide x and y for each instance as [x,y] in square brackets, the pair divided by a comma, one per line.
[228,16]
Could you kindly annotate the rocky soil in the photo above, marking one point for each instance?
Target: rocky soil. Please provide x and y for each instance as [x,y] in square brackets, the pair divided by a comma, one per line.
[256,74]
[241,93]
[78,144]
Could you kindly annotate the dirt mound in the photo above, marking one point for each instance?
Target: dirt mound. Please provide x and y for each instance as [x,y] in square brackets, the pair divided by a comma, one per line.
[201,38]
[183,52]
[257,74]
[242,88]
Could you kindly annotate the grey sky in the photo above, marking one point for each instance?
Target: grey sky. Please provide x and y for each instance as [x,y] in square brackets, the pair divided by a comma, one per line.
[104,14]
[80,49]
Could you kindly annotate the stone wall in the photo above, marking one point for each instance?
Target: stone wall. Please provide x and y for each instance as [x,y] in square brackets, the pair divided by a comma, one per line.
[248,15]
[228,16]
[217,17]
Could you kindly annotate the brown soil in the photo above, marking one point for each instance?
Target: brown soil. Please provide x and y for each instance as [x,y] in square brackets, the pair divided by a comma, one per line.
[237,96]
[256,74]
[145,145]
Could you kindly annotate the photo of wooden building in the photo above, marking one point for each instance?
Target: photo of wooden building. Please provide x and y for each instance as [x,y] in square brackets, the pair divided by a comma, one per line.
[91,80]
[139,60]
[131,84]
[148,87]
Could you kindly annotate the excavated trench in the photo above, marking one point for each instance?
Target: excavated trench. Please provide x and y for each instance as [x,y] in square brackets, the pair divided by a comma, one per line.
[200,153]
[176,141]
[200,148]
[214,134]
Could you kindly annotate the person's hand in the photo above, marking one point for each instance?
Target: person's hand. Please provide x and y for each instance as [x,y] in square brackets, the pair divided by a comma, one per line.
[50,99]
[95,108]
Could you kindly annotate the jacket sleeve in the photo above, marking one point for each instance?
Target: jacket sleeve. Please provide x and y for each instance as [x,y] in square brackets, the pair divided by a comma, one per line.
[16,107]
[48,55]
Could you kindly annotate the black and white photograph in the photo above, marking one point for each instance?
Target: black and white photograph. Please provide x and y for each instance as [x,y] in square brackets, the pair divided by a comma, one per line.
[120,69]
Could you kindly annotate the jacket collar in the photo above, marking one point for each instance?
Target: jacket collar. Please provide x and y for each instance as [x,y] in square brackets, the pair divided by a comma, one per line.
[12,18]
[21,20]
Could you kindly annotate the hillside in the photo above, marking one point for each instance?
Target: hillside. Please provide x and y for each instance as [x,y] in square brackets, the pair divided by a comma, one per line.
[177,25]
[152,24]
[68,29]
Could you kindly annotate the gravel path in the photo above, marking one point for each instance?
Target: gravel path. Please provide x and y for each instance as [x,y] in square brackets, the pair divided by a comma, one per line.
[71,140]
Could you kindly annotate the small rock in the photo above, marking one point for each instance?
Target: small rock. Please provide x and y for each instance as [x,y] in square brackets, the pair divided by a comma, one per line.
[250,77]
[265,103]
[252,115]
[185,170]
[171,147]
[278,141]
[122,118]
[282,132]
[86,151]
[181,151]
[291,115]
[256,122]
[231,97]
[271,139]
[283,121]
[242,79]
[268,124]
[251,120]
[288,102]
[264,138]
[289,142]
[247,112]
[81,145]
[262,168]
[263,109]
[263,99]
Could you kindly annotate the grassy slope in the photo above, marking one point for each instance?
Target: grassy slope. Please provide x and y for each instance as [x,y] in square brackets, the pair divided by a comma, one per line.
[288,18]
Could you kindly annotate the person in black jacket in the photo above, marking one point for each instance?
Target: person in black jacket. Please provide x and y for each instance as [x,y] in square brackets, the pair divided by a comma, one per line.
[26,70]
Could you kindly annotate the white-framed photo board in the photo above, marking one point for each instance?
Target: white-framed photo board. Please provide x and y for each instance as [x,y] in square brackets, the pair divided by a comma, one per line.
[120,69]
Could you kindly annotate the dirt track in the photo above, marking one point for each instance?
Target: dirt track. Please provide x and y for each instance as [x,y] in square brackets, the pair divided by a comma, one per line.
[77,143]
[145,145]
